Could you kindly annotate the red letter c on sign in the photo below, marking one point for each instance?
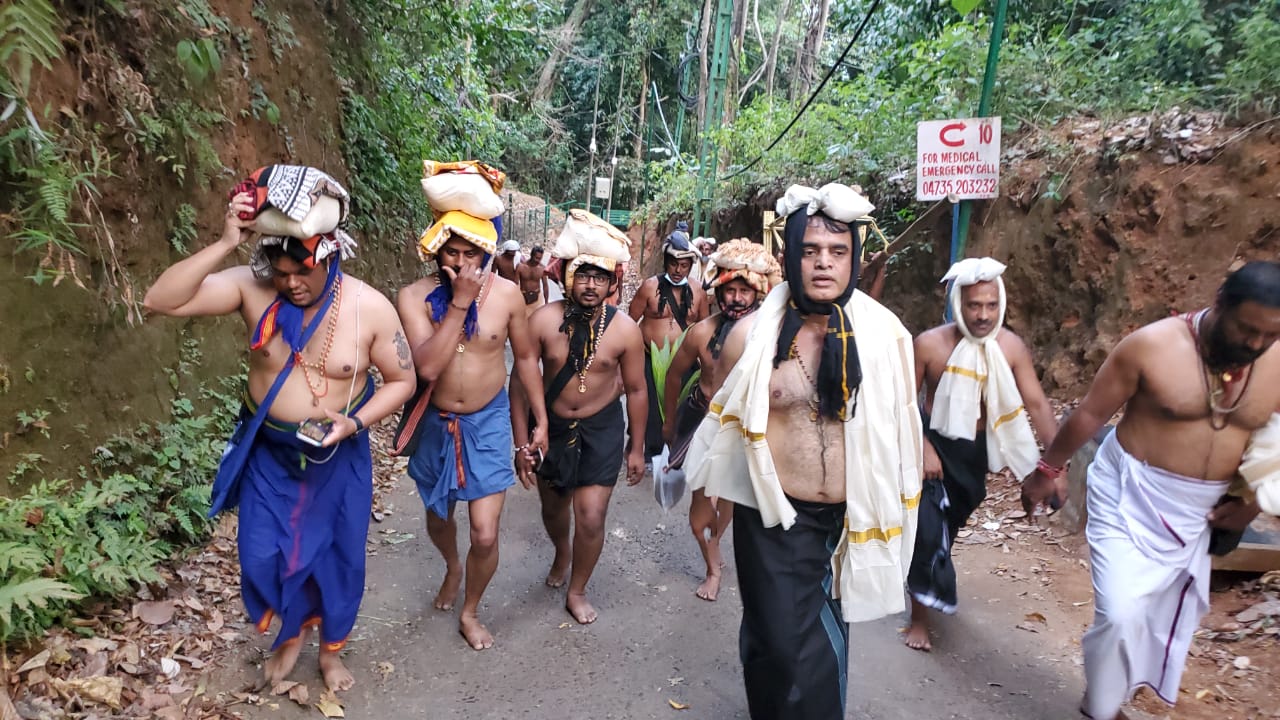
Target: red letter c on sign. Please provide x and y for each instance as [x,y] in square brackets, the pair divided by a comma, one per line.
[953,127]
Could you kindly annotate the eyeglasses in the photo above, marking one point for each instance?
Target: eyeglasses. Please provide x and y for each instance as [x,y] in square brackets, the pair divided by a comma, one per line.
[591,279]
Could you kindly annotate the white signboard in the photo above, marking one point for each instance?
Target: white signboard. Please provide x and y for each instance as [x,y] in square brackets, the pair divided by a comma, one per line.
[603,188]
[958,157]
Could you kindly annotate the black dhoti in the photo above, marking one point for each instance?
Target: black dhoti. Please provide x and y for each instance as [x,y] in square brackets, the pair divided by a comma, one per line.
[793,642]
[945,507]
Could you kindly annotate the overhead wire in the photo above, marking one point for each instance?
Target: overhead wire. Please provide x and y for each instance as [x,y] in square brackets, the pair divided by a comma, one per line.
[812,96]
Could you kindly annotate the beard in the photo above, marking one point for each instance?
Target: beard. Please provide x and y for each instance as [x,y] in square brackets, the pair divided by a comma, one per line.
[1221,354]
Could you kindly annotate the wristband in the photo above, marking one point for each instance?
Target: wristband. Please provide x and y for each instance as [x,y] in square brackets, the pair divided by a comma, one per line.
[359,424]
[1050,471]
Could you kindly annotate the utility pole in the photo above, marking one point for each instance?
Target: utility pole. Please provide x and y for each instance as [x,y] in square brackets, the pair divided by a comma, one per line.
[591,170]
[708,160]
[960,221]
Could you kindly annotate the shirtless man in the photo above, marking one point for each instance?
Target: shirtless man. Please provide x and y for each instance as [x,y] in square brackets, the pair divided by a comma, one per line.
[738,291]
[665,305]
[295,300]
[506,263]
[815,436]
[532,277]
[960,444]
[585,346]
[1194,389]
[458,323]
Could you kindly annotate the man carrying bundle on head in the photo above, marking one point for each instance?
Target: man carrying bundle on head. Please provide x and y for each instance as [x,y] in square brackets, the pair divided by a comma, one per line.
[665,306]
[458,322]
[585,347]
[746,274]
[298,465]
[823,467]
[982,398]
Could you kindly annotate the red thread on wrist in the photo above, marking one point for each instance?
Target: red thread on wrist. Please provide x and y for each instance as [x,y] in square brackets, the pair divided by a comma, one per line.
[1053,472]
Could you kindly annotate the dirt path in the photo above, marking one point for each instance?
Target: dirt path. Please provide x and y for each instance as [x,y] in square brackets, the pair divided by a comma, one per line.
[655,641]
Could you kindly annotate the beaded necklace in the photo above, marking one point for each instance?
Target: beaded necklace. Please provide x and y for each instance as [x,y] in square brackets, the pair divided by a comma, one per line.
[320,388]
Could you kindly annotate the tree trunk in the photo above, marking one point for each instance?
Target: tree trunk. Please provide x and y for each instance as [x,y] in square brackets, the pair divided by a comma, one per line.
[735,60]
[771,62]
[704,62]
[637,145]
[807,58]
[564,40]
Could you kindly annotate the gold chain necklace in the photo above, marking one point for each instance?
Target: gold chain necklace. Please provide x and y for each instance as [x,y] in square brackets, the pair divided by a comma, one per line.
[594,342]
[1225,380]
[320,388]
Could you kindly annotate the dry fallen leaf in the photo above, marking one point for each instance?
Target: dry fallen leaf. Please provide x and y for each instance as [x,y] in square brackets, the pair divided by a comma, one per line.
[385,669]
[103,690]
[1202,694]
[154,613]
[283,687]
[677,706]
[37,661]
[170,667]
[300,694]
[329,706]
[1035,617]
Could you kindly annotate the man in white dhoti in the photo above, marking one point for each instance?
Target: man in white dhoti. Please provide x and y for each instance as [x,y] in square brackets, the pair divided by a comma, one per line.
[824,468]
[982,398]
[1197,390]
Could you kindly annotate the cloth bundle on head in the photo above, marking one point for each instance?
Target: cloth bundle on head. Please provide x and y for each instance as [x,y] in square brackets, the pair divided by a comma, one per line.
[978,376]
[299,208]
[839,372]
[588,240]
[463,197]
[677,245]
[744,259]
[510,246]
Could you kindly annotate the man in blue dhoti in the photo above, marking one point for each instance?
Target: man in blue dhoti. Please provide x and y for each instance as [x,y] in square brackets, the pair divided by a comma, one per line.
[304,508]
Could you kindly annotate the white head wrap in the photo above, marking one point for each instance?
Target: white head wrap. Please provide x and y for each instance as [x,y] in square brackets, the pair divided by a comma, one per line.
[510,246]
[972,271]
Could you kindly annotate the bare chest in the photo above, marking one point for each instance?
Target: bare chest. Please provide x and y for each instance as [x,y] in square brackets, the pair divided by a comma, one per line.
[1185,391]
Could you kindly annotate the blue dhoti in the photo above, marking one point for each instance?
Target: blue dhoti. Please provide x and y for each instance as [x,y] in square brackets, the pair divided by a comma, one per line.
[304,520]
[463,457]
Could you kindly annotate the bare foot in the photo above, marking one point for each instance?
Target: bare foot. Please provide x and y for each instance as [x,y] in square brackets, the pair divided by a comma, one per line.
[281,662]
[449,589]
[476,634]
[559,572]
[709,588]
[336,675]
[918,636]
[580,609]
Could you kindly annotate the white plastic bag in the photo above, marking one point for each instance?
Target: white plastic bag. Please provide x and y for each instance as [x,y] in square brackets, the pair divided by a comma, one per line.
[323,217]
[469,192]
[668,484]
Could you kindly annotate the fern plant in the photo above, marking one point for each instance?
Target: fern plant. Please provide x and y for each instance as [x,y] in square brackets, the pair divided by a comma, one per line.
[30,33]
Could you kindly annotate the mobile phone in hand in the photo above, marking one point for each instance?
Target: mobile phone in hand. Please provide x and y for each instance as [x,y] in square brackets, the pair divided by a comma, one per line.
[313,432]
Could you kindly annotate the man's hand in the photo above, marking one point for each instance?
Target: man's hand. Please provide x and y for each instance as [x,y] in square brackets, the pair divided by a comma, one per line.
[1234,515]
[635,466]
[932,463]
[669,431]
[343,428]
[233,228]
[466,283]
[539,440]
[1039,489]
[526,467]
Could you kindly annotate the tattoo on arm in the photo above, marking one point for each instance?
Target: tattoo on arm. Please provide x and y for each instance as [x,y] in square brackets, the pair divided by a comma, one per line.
[402,350]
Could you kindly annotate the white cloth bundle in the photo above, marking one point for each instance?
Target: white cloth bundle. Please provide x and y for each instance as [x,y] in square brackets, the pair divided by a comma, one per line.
[836,201]
[588,234]
[978,375]
[730,458]
[1261,465]
[469,192]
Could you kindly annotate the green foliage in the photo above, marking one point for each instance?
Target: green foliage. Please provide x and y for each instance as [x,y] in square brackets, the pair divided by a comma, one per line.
[29,36]
[199,59]
[48,183]
[261,106]
[279,29]
[145,495]
[182,231]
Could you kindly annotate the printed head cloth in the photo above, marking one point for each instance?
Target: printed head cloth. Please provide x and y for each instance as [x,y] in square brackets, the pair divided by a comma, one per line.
[972,271]
[677,244]
[839,371]
[302,210]
[744,259]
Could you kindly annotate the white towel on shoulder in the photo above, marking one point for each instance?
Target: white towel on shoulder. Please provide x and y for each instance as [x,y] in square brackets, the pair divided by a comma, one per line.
[978,375]
[1261,465]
